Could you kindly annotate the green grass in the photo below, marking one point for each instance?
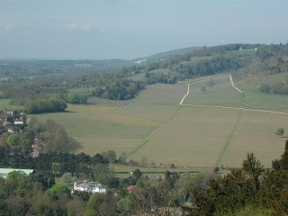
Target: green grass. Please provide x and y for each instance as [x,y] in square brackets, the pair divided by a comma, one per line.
[258,100]
[100,128]
[197,134]
[4,105]
[228,141]
[194,137]
[222,94]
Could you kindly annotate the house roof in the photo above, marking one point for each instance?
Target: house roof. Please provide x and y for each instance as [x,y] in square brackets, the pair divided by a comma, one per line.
[131,188]
[88,184]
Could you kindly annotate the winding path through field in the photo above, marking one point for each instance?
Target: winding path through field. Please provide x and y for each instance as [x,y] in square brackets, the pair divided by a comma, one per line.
[231,80]
[188,91]
[225,107]
[230,136]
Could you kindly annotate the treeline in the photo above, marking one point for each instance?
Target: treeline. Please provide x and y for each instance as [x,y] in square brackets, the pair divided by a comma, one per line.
[273,51]
[76,98]
[275,88]
[55,163]
[119,90]
[218,59]
[250,190]
[39,96]
[202,62]
[39,68]
[273,58]
[22,90]
[182,68]
[208,67]
[42,105]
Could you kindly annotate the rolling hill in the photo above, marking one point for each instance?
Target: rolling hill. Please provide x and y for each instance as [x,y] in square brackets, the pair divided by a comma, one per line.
[216,125]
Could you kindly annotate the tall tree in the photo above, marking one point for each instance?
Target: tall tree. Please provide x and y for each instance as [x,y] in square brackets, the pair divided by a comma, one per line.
[253,168]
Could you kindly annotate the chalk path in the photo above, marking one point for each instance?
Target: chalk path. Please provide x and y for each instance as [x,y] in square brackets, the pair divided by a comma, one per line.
[230,137]
[211,106]
[231,80]
[225,107]
[188,91]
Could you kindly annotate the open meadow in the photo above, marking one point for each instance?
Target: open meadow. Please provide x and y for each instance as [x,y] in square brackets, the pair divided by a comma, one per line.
[215,127]
[4,105]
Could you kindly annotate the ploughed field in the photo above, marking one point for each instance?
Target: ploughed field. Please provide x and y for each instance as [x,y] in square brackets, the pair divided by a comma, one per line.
[215,127]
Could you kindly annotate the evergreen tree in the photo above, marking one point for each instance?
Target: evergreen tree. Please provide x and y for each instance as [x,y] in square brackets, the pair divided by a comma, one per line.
[284,158]
[253,168]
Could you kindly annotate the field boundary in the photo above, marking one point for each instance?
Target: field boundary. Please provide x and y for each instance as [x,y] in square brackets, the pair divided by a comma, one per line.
[229,139]
[153,132]
[237,108]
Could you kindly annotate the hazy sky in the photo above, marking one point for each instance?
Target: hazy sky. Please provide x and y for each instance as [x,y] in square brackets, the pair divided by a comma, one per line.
[105,29]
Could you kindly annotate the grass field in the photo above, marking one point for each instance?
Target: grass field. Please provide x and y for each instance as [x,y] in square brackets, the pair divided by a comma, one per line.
[100,128]
[213,128]
[4,105]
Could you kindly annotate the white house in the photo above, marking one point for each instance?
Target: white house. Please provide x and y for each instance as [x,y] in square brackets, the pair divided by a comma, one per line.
[92,187]
[18,122]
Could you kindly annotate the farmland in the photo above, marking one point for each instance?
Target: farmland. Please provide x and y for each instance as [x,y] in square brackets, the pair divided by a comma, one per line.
[208,130]
[4,104]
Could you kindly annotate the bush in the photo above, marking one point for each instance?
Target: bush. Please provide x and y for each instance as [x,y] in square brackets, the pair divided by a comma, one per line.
[68,178]
[279,132]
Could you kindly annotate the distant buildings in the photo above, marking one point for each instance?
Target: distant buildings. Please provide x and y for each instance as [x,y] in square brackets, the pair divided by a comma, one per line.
[92,187]
[36,150]
[12,121]
[19,121]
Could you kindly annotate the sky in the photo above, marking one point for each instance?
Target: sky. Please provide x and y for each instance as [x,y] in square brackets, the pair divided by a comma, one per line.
[129,29]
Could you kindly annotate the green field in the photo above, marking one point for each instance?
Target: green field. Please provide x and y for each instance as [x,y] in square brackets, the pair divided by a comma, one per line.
[212,128]
[4,105]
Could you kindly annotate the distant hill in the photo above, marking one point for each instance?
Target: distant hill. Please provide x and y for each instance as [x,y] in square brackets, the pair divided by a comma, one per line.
[167,54]
[175,64]
[37,68]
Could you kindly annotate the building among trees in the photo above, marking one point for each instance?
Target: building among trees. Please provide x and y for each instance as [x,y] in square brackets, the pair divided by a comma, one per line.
[92,187]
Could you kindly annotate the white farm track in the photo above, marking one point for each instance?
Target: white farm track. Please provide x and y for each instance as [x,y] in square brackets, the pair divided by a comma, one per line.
[228,141]
[226,145]
[225,107]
